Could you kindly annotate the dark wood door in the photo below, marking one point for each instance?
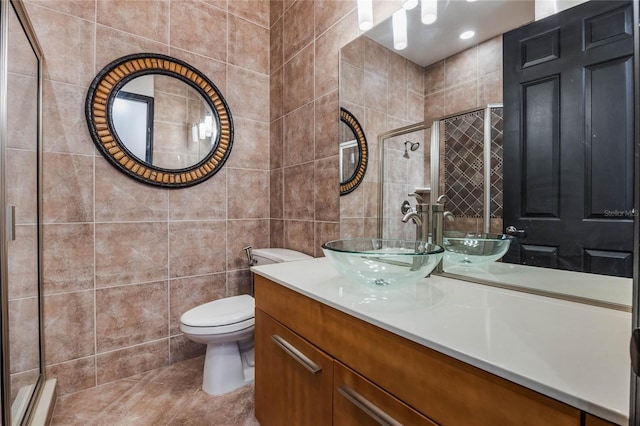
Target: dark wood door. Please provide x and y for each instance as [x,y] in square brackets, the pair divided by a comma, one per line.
[568,139]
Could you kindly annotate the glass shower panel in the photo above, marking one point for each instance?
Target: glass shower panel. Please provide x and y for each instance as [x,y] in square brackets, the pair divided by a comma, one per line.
[22,198]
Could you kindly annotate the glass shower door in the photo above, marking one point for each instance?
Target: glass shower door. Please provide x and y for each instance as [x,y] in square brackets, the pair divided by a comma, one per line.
[21,180]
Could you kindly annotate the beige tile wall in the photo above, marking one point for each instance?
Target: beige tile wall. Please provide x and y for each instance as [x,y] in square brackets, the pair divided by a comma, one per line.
[123,260]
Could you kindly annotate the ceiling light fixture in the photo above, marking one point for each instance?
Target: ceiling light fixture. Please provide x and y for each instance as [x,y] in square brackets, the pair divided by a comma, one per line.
[467,34]
[409,4]
[365,14]
[429,13]
[399,23]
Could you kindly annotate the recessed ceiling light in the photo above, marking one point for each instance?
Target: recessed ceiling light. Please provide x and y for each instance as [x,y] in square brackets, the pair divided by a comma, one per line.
[467,34]
[471,1]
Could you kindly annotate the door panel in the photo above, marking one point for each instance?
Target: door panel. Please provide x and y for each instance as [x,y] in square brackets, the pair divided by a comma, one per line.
[546,257]
[541,148]
[608,27]
[609,144]
[608,262]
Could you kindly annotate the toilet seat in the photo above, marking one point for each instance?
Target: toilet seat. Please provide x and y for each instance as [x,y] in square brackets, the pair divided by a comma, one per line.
[220,316]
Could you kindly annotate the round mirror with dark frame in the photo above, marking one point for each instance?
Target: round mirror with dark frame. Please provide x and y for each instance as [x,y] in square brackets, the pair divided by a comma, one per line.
[159,120]
[353,152]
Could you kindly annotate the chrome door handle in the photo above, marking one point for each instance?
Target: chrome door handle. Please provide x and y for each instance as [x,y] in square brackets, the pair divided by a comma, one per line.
[296,354]
[515,232]
[367,407]
[11,223]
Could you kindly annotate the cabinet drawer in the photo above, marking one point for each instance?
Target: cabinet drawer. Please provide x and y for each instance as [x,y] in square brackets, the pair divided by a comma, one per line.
[444,389]
[358,402]
[596,421]
[293,379]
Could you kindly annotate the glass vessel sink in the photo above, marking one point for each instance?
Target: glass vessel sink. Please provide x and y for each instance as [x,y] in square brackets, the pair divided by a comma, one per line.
[381,262]
[471,249]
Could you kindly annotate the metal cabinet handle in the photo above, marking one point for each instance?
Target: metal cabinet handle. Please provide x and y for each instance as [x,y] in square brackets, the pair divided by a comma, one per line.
[296,354]
[368,407]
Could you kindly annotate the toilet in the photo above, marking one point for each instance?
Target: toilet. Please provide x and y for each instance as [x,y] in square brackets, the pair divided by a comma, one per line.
[226,326]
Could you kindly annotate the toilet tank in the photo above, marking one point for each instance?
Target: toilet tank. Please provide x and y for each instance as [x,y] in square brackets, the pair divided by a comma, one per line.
[266,256]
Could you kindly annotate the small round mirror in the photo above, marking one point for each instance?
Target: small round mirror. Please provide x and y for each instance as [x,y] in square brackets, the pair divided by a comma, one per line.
[159,120]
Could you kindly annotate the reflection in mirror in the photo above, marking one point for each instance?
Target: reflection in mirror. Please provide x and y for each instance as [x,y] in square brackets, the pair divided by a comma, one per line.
[464,160]
[159,120]
[349,155]
[404,171]
[133,118]
[164,122]
[354,152]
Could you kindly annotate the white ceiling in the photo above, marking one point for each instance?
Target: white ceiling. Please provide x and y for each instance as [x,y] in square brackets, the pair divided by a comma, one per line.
[430,43]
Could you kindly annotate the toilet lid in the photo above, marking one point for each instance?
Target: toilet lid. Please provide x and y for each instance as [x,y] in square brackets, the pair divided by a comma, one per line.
[228,310]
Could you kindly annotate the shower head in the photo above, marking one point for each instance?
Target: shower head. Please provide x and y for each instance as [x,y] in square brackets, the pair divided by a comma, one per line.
[413,146]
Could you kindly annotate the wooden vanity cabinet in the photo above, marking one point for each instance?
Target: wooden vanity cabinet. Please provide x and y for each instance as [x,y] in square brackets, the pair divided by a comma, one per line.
[397,375]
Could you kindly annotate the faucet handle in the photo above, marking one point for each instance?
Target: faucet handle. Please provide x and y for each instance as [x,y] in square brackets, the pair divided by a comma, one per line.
[418,196]
[405,207]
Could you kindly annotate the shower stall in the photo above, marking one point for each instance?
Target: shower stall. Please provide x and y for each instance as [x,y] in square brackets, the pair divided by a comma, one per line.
[463,162]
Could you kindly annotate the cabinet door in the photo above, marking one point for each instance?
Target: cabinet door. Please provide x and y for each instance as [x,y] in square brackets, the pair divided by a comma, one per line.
[293,378]
[358,402]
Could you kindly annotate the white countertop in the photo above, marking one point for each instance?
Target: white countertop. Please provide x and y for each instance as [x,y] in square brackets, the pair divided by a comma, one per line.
[575,353]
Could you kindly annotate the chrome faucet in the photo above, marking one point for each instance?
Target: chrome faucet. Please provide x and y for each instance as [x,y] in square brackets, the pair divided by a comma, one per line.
[429,219]
[420,216]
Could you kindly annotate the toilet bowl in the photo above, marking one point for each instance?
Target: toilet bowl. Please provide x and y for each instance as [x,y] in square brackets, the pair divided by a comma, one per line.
[226,326]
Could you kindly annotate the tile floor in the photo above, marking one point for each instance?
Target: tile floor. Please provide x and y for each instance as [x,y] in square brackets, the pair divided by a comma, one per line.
[166,396]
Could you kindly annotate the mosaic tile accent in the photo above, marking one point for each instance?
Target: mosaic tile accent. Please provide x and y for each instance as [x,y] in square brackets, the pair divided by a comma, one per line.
[464,164]
[496,163]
